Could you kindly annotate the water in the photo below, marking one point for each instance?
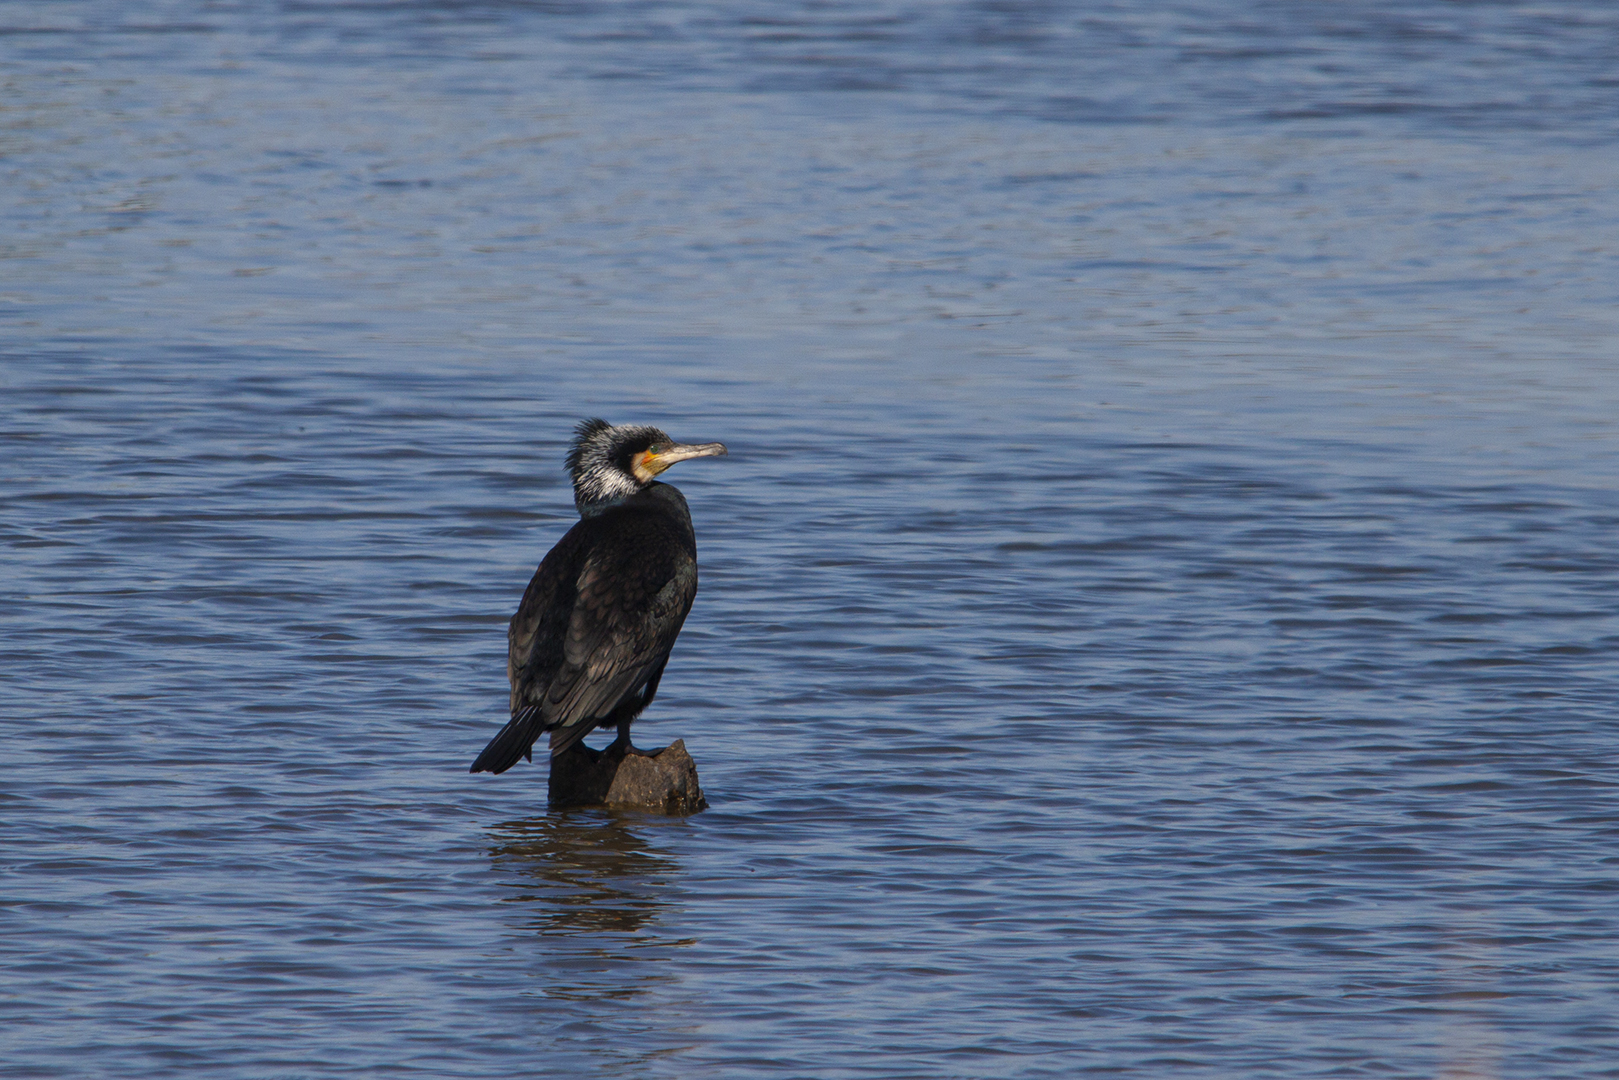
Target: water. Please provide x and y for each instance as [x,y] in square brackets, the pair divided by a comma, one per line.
[1158,615]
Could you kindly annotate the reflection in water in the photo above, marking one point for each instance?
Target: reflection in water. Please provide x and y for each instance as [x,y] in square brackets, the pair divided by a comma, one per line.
[584,873]
[593,888]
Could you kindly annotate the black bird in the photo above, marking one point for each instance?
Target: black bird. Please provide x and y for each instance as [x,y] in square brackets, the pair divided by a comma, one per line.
[589,641]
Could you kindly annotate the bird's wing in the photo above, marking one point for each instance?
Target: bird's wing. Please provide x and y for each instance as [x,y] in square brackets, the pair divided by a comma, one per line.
[534,649]
[534,638]
[631,602]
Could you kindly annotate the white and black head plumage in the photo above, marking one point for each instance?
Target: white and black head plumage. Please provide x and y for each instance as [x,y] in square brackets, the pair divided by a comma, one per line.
[609,463]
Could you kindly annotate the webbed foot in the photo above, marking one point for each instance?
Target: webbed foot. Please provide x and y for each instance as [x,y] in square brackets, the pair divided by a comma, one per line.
[623,749]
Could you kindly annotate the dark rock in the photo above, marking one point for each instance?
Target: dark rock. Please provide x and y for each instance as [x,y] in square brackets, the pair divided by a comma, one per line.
[664,781]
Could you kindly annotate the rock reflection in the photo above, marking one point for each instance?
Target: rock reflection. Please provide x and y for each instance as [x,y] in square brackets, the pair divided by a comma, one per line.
[588,873]
[592,886]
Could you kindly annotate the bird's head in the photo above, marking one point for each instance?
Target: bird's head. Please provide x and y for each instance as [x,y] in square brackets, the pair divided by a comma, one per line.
[610,463]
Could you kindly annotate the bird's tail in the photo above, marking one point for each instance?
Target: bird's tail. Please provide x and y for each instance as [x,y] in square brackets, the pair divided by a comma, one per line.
[516,740]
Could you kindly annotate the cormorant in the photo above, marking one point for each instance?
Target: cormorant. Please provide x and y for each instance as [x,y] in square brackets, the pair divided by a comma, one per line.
[589,641]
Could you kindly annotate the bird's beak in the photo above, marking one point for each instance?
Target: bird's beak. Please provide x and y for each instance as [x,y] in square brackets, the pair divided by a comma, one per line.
[656,463]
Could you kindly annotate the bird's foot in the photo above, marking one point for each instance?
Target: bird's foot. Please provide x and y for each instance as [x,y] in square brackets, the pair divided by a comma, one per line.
[624,749]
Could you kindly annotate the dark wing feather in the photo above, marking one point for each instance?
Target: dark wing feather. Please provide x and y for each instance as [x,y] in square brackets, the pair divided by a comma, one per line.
[534,649]
[595,625]
[534,638]
[632,600]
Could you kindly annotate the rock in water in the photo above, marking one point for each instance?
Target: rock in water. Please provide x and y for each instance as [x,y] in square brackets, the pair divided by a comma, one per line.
[664,782]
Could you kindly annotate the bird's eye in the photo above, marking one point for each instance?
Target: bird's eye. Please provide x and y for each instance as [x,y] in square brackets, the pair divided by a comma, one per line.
[653,449]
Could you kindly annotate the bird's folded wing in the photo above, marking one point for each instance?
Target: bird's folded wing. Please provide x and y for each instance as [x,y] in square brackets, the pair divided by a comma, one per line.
[534,638]
[621,629]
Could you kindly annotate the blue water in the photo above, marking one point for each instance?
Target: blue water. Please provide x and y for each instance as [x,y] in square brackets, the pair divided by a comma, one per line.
[1158,617]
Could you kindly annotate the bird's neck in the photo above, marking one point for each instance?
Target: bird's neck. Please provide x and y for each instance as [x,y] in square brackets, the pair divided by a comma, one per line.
[661,497]
[602,489]
[597,502]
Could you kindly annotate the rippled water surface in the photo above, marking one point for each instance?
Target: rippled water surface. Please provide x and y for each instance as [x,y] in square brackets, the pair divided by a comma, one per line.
[1158,615]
